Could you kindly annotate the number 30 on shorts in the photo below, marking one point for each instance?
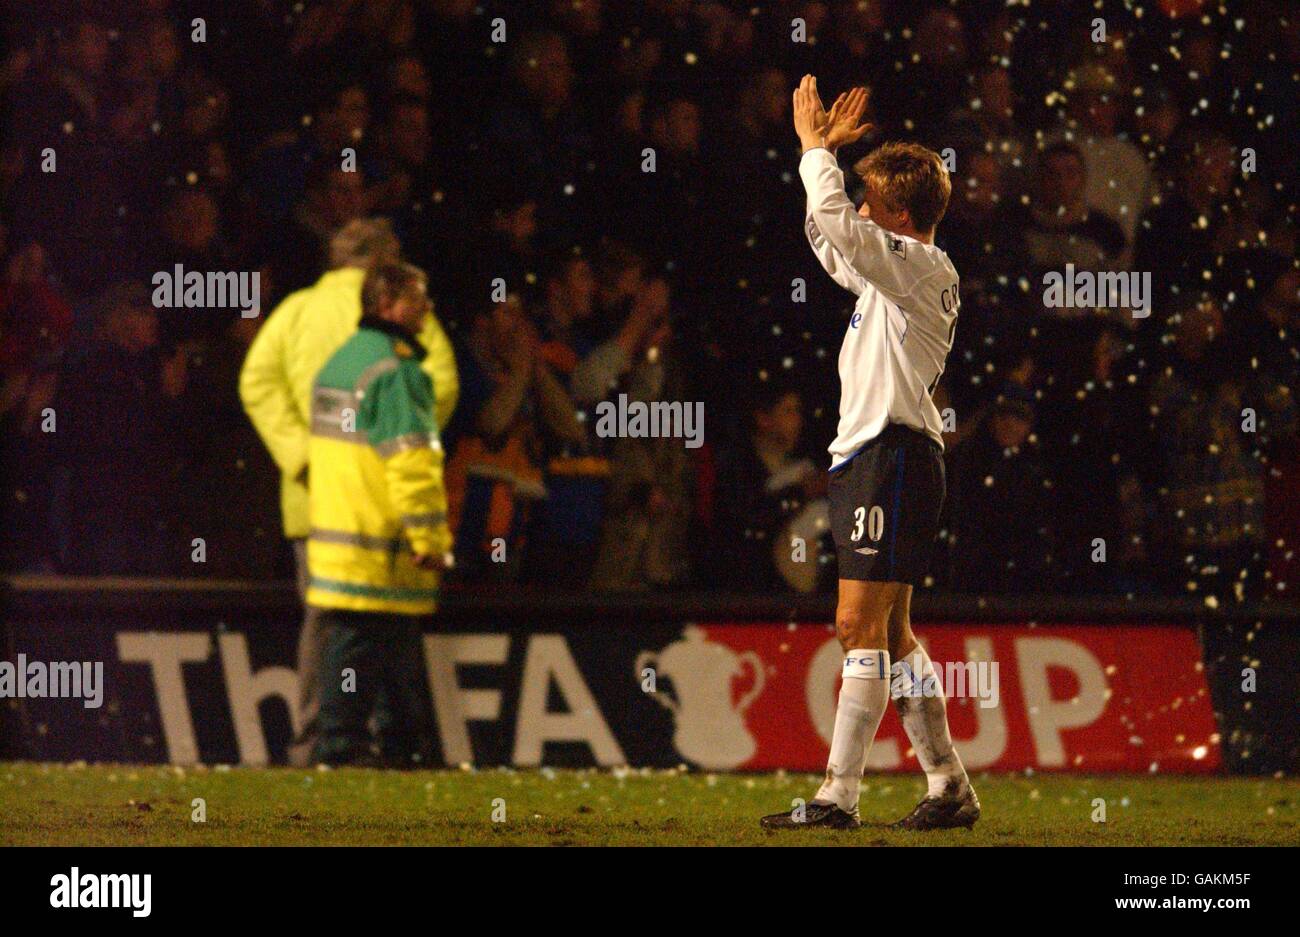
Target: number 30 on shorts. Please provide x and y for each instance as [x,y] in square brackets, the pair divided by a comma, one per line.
[875,522]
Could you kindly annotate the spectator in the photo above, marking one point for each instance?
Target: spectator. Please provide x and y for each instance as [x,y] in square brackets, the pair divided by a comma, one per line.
[918,94]
[65,110]
[334,197]
[1180,235]
[1060,229]
[1211,511]
[515,410]
[115,447]
[1004,542]
[189,234]
[284,168]
[976,242]
[644,543]
[562,545]
[505,248]
[1119,181]
[598,374]
[536,127]
[35,324]
[764,486]
[987,124]
[227,466]
[1095,450]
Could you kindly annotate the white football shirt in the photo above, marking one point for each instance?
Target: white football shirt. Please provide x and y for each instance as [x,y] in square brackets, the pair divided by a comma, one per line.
[901,330]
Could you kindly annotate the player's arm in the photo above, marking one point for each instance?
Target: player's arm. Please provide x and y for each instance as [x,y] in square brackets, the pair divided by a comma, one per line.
[813,125]
[859,244]
[831,259]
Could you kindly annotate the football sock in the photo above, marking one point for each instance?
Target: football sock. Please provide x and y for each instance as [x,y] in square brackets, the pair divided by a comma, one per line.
[864,694]
[920,702]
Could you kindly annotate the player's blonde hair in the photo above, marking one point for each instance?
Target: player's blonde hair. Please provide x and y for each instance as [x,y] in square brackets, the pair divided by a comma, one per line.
[908,176]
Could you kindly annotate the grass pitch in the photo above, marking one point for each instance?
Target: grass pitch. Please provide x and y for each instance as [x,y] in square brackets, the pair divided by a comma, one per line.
[154,805]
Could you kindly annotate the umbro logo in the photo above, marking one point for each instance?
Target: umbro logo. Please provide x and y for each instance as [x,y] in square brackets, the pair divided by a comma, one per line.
[866,551]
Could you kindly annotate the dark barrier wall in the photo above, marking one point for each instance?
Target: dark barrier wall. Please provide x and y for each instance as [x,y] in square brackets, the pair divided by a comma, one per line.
[202,672]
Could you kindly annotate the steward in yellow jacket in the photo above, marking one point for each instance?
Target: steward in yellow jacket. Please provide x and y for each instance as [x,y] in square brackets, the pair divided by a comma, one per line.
[378,504]
[279,371]
[379,536]
[289,351]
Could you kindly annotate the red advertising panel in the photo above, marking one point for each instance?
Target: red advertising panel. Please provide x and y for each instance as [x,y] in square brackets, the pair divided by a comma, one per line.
[1060,697]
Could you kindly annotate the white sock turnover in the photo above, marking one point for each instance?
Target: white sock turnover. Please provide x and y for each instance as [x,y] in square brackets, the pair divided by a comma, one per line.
[864,695]
[920,702]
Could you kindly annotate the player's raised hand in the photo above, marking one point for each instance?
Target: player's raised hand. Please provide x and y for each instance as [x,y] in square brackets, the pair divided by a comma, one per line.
[842,123]
[839,103]
[820,107]
[808,113]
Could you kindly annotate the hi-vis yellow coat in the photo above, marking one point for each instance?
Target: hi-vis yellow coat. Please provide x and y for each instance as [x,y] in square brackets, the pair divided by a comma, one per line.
[377,495]
[293,345]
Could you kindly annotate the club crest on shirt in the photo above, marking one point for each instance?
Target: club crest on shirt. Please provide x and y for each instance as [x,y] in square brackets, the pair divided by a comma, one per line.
[402,350]
[898,246]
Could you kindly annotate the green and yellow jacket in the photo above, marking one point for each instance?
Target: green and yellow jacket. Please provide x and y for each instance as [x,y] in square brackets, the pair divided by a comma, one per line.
[283,361]
[375,476]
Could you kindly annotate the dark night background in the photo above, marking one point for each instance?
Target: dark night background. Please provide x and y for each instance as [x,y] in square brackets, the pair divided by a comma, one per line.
[523,160]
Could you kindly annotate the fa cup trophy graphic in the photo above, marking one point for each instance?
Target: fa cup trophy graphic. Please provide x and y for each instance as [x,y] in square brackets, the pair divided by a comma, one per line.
[710,729]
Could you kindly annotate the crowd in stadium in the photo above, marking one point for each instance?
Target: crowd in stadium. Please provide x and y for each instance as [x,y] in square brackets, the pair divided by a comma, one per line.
[628,173]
